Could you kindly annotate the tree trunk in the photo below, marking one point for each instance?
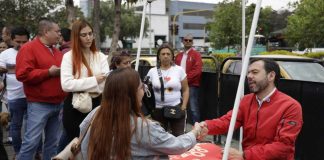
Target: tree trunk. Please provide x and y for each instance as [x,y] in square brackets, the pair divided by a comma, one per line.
[115,36]
[96,22]
[70,9]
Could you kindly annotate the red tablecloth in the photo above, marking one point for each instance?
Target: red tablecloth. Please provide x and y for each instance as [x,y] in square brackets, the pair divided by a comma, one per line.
[201,151]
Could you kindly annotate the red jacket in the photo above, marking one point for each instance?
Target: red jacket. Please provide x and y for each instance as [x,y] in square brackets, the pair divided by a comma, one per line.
[193,66]
[32,64]
[269,132]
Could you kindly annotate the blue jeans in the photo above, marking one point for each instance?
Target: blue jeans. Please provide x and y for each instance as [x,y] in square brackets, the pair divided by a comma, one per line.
[193,102]
[41,117]
[17,108]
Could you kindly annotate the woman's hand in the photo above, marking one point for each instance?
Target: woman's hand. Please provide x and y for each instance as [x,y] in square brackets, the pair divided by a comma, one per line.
[100,77]
[183,107]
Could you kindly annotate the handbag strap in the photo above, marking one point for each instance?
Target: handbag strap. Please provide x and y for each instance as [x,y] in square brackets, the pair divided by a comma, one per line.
[85,132]
[162,84]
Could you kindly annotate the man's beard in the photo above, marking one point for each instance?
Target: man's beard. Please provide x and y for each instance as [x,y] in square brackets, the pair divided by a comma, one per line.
[258,86]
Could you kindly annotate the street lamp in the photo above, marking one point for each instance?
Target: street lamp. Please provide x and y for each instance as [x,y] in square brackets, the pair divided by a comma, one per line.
[150,26]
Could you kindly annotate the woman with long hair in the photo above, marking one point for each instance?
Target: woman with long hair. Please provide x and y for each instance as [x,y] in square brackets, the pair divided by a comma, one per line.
[83,69]
[118,129]
[175,90]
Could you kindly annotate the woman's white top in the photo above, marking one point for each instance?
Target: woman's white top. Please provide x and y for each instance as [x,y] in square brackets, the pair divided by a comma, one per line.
[98,63]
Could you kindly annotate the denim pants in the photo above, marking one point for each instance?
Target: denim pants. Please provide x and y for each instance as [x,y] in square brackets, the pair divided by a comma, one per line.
[18,108]
[193,102]
[41,117]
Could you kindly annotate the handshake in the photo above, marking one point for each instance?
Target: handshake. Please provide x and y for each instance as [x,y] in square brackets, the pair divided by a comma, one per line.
[200,130]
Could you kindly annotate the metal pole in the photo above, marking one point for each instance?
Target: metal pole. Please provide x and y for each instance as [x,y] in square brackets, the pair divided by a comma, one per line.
[140,36]
[242,54]
[242,79]
[150,28]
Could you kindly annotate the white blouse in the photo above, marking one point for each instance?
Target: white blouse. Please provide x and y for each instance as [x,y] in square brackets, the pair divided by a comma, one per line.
[98,64]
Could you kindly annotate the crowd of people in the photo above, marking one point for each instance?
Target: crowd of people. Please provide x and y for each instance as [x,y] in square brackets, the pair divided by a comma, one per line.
[43,76]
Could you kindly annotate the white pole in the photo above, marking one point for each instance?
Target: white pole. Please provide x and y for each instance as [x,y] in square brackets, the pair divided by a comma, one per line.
[242,79]
[140,36]
[150,29]
[242,54]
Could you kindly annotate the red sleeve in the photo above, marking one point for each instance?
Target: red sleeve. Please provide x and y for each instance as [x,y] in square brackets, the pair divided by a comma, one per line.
[221,125]
[284,141]
[196,68]
[26,70]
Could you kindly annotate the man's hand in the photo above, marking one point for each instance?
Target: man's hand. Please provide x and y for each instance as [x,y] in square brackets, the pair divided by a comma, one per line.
[204,130]
[54,71]
[3,70]
[235,154]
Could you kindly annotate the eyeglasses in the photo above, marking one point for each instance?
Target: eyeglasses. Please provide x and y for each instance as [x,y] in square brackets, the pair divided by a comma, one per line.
[187,40]
[90,34]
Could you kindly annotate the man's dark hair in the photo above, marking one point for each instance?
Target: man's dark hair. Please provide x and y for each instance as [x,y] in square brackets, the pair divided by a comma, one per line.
[269,66]
[20,31]
[66,34]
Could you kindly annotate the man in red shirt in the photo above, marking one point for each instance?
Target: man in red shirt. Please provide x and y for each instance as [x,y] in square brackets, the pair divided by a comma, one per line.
[271,120]
[190,61]
[37,67]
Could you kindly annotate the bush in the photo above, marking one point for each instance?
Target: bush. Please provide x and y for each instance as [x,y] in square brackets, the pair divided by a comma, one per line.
[281,52]
[220,57]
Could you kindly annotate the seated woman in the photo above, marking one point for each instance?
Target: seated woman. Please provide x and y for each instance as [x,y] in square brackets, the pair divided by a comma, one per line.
[119,131]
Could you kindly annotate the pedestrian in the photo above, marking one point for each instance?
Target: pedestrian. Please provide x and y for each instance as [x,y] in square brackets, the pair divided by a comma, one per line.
[271,120]
[66,40]
[174,93]
[83,69]
[3,46]
[118,130]
[38,68]
[190,61]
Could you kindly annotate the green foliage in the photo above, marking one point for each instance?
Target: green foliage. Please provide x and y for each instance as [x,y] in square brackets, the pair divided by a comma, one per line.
[280,52]
[306,25]
[26,12]
[209,65]
[130,22]
[317,55]
[220,57]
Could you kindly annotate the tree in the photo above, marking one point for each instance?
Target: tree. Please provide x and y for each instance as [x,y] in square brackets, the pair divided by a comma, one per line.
[71,11]
[96,21]
[130,23]
[117,24]
[26,12]
[306,24]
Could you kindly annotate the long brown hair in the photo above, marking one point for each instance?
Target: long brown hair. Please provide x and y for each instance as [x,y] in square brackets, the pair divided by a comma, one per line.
[111,131]
[77,56]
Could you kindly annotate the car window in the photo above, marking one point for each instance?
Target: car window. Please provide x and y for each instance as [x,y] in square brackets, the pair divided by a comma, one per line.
[235,68]
[304,71]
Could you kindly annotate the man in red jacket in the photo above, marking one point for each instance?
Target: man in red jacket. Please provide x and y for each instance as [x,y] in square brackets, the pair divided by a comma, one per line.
[37,67]
[271,120]
[190,61]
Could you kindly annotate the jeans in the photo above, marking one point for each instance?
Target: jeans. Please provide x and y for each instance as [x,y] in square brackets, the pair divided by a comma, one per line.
[18,108]
[193,102]
[41,117]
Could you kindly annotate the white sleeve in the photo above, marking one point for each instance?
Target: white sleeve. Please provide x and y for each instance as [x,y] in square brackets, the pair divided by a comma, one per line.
[182,72]
[69,83]
[3,59]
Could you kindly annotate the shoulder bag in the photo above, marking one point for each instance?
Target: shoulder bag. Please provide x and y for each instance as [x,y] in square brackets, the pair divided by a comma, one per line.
[73,150]
[169,112]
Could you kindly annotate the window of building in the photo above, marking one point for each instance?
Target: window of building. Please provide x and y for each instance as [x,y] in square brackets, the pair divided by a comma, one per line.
[194,26]
[207,14]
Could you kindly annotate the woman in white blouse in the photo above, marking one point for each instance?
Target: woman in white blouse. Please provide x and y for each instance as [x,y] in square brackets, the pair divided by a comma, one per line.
[83,69]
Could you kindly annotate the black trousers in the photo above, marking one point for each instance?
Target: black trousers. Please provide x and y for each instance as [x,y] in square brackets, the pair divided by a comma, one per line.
[72,118]
[176,126]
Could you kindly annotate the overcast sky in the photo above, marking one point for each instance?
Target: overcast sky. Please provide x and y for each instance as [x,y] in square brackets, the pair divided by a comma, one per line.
[275,4]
